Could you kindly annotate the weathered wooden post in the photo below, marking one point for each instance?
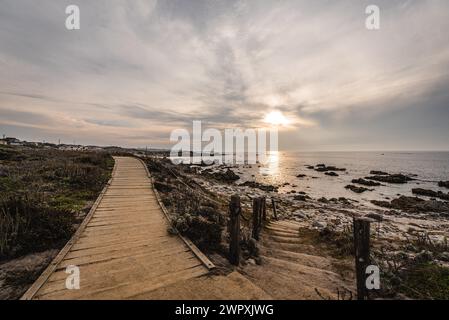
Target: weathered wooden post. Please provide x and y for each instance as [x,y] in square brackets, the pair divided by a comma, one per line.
[362,254]
[256,217]
[263,210]
[234,230]
[273,203]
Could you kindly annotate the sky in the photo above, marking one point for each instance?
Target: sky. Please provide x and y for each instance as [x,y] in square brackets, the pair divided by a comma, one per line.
[138,69]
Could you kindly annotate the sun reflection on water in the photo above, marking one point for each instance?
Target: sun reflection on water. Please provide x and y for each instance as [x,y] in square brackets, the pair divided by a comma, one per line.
[271,167]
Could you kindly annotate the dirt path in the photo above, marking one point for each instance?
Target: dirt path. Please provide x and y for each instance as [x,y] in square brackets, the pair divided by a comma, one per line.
[293,268]
[123,251]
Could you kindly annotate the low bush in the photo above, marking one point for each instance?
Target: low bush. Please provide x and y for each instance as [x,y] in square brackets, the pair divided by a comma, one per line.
[42,192]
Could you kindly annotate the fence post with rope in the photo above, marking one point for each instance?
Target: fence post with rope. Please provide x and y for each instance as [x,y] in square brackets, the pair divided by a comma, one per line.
[234,230]
[257,203]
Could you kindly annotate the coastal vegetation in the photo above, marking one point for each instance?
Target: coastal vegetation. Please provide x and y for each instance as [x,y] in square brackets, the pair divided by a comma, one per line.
[44,193]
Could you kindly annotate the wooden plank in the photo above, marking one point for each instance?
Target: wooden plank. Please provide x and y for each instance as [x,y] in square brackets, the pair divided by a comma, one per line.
[123,239]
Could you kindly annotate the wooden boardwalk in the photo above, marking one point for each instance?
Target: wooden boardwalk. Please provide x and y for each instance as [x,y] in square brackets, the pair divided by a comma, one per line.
[123,249]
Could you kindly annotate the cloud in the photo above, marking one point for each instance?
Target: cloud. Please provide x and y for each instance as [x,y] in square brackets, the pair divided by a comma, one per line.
[138,64]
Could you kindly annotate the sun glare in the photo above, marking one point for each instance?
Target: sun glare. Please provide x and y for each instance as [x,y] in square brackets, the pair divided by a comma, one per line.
[276,118]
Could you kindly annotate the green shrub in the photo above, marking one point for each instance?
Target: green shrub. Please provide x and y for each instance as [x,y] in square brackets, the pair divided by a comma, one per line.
[26,225]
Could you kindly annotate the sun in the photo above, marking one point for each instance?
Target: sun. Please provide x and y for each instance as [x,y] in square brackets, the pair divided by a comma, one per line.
[276,118]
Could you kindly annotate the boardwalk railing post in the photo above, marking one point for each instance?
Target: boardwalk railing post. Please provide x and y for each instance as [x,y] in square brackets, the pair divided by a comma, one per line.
[362,254]
[234,230]
[263,209]
[273,203]
[256,217]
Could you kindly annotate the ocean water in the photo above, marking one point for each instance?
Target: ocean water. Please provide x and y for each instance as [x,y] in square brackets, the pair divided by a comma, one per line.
[426,167]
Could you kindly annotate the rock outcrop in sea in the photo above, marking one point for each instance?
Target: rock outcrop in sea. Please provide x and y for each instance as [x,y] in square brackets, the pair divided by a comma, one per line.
[431,193]
[390,178]
[414,204]
[443,184]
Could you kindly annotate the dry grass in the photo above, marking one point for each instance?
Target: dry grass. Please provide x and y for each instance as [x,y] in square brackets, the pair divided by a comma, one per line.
[42,194]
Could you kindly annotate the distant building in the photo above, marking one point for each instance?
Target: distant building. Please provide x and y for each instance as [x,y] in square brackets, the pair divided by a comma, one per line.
[65,147]
[11,141]
[3,142]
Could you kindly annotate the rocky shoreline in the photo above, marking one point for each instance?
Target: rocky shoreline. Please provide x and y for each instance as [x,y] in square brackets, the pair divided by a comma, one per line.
[396,223]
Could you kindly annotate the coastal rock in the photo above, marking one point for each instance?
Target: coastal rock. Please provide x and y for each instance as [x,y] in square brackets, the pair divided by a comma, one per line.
[357,189]
[323,200]
[320,225]
[393,178]
[378,173]
[227,176]
[310,167]
[431,193]
[299,214]
[366,182]
[344,200]
[301,176]
[324,168]
[414,204]
[257,185]
[405,202]
[331,173]
[424,192]
[443,184]
[301,197]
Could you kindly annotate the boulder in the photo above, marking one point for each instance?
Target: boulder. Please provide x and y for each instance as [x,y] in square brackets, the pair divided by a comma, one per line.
[414,204]
[378,173]
[443,184]
[227,176]
[299,214]
[384,204]
[301,197]
[431,193]
[357,189]
[324,168]
[331,173]
[344,200]
[393,178]
[323,200]
[424,192]
[366,182]
[320,225]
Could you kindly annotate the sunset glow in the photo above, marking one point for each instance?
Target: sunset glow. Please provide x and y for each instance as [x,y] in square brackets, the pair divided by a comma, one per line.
[276,118]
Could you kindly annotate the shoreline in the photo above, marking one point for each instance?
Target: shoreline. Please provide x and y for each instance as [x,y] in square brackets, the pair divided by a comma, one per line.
[397,231]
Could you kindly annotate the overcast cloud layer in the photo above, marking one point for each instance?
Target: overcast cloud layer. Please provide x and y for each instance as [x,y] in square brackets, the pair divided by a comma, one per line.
[137,69]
